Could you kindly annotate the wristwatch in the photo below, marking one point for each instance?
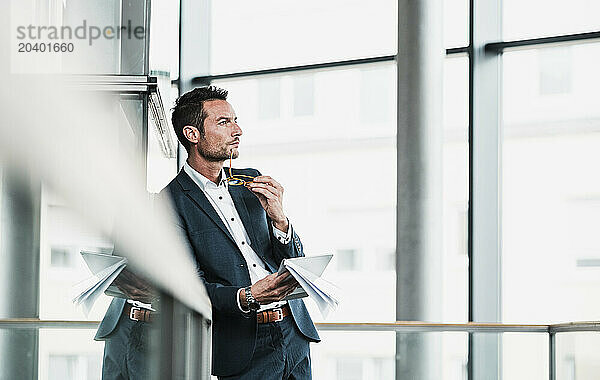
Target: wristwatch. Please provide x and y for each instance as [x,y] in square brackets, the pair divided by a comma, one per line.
[252,302]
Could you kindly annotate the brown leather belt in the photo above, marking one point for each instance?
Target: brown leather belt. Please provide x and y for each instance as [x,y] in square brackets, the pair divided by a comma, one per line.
[138,314]
[273,315]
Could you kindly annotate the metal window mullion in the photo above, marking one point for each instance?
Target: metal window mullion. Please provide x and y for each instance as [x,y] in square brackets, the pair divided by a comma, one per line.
[484,188]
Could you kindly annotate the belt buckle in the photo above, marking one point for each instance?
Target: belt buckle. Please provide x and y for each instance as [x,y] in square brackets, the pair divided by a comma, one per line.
[132,313]
[279,313]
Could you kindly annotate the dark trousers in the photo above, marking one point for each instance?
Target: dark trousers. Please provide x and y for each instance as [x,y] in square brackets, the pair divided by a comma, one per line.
[281,352]
[125,356]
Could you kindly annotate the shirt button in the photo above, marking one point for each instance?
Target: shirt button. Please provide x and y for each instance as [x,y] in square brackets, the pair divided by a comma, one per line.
[242,265]
[232,219]
[220,197]
[254,265]
[243,242]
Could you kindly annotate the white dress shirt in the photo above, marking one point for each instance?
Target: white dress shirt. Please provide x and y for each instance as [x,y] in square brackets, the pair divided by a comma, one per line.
[220,199]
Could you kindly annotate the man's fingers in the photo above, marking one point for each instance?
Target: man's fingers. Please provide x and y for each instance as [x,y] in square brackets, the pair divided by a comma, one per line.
[282,277]
[267,194]
[267,186]
[269,180]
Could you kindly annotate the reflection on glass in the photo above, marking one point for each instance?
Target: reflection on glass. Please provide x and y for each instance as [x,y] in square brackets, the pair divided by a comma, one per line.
[551,193]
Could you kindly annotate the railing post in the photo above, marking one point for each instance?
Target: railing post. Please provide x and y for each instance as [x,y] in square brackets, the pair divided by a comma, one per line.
[552,352]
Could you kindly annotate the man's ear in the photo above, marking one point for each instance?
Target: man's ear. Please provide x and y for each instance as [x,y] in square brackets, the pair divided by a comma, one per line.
[191,133]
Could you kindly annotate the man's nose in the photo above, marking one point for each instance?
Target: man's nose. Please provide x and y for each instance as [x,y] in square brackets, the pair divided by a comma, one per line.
[237,131]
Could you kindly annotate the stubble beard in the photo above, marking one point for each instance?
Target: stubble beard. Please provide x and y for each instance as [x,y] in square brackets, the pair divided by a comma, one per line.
[217,155]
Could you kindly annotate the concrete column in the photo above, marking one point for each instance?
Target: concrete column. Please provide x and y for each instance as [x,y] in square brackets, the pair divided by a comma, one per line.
[419,199]
[19,273]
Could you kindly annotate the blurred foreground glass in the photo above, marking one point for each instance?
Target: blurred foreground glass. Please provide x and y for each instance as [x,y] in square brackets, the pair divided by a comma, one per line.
[551,190]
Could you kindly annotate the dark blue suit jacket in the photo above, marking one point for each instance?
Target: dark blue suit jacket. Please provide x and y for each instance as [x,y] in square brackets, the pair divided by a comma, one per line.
[223,270]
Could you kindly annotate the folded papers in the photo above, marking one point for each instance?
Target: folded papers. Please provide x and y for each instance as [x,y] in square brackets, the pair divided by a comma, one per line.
[105,268]
[307,271]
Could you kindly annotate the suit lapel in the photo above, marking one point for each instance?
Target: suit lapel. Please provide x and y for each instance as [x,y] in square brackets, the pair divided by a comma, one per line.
[237,194]
[193,191]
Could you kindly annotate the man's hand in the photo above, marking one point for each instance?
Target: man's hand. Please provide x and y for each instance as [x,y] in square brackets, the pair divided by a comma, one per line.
[273,288]
[134,287]
[270,195]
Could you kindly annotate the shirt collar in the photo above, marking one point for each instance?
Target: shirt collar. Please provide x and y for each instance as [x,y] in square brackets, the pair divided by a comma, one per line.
[201,180]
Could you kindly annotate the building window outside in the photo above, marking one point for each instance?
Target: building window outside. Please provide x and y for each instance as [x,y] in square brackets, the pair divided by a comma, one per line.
[61,257]
[269,95]
[555,70]
[347,260]
[375,87]
[74,367]
[62,367]
[349,369]
[304,95]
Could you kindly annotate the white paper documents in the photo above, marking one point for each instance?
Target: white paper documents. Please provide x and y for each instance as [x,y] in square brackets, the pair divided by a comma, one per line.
[307,271]
[105,268]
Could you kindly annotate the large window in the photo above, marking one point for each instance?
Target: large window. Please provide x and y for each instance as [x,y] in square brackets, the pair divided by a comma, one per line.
[329,138]
[551,193]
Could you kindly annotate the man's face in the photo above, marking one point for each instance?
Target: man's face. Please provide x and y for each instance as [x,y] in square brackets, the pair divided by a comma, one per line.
[221,132]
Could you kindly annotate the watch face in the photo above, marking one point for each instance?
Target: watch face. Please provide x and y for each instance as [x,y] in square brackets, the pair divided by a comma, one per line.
[254,306]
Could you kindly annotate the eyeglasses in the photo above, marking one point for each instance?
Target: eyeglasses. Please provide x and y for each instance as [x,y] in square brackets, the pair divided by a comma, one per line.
[239,179]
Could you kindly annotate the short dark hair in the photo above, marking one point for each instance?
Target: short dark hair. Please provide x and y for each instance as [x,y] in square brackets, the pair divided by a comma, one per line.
[189,110]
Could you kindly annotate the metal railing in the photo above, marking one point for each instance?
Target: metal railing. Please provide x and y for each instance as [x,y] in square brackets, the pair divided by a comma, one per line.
[399,326]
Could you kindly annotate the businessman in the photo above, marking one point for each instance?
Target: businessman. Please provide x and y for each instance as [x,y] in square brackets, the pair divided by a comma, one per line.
[234,222]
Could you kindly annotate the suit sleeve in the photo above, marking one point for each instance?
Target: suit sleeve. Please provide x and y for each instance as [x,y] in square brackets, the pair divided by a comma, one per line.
[284,251]
[223,298]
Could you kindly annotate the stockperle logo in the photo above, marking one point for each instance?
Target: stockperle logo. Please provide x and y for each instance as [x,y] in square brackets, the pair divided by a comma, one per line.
[84,31]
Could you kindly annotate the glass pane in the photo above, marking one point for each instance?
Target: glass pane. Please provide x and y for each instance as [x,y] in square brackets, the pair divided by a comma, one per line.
[268,33]
[525,356]
[365,355]
[309,138]
[456,23]
[164,37]
[51,353]
[577,355]
[551,193]
[66,354]
[99,37]
[539,18]
[296,130]
[354,355]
